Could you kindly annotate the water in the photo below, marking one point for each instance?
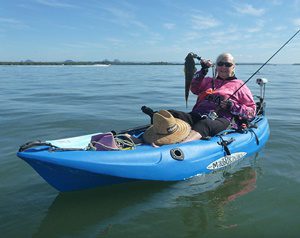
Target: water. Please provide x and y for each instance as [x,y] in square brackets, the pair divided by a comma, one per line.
[259,199]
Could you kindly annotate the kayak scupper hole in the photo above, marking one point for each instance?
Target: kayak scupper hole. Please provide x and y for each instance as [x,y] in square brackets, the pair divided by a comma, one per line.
[177,154]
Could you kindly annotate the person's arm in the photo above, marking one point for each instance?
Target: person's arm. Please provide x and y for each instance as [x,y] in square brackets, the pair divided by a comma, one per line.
[241,104]
[197,80]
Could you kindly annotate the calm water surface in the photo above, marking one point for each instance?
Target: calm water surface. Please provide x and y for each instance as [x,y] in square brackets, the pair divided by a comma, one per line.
[259,199]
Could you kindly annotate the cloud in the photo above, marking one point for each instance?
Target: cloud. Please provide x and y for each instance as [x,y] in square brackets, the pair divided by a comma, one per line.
[84,45]
[169,26]
[277,2]
[123,17]
[280,28]
[296,5]
[225,37]
[8,20]
[296,22]
[114,41]
[258,27]
[190,36]
[247,9]
[154,38]
[12,23]
[199,22]
[56,3]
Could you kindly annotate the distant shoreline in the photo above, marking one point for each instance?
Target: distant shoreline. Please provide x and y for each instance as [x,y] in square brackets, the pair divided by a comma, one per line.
[107,63]
[88,63]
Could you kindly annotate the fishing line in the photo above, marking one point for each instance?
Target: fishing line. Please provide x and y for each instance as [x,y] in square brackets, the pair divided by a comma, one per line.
[265,63]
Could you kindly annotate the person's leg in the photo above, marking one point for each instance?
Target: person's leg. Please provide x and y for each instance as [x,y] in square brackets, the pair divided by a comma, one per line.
[194,135]
[182,116]
[207,127]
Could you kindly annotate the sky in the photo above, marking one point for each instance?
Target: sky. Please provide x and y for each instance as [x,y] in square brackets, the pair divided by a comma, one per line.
[148,30]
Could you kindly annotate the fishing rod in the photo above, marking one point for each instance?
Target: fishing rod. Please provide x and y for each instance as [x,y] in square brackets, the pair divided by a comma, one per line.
[265,63]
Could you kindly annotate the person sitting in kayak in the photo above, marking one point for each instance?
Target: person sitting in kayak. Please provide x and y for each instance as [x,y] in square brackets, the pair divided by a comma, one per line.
[219,100]
[216,104]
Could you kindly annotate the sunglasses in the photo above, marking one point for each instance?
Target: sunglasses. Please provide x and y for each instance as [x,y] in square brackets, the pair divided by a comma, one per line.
[227,64]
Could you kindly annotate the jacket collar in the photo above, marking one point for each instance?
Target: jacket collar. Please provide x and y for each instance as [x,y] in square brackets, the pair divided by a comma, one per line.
[229,78]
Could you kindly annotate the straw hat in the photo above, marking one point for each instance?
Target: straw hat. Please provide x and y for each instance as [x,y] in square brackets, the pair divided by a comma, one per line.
[166,129]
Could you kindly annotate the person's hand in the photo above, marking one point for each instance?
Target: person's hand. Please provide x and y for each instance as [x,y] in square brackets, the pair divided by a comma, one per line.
[226,104]
[205,64]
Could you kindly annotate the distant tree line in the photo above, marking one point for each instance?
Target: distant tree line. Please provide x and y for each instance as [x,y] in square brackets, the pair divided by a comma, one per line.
[71,62]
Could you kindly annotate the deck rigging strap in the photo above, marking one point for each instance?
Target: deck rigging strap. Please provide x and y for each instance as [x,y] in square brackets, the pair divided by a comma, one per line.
[35,143]
[48,146]
[225,144]
[256,137]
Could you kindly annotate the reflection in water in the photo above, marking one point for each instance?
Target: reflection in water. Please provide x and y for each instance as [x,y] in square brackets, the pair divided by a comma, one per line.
[74,211]
[193,204]
[204,210]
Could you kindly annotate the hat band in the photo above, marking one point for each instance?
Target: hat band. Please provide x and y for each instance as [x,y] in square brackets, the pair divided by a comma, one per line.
[170,130]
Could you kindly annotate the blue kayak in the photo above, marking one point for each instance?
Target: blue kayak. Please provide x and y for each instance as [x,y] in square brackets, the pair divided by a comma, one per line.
[68,169]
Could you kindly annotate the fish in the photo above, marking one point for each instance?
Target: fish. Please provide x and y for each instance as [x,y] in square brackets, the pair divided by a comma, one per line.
[189,70]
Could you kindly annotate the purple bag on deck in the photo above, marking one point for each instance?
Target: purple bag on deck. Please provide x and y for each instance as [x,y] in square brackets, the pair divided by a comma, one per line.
[104,142]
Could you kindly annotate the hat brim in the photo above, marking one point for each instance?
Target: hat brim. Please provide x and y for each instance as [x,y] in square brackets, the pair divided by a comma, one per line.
[183,130]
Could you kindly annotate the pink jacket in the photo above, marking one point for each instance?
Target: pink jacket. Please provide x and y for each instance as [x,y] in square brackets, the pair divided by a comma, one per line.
[209,100]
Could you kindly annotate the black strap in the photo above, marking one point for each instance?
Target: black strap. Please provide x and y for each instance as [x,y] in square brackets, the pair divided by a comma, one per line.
[256,137]
[49,147]
[225,144]
[31,144]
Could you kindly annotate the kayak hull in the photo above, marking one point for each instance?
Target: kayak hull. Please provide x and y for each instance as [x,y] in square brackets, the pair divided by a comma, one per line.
[68,179]
[80,169]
